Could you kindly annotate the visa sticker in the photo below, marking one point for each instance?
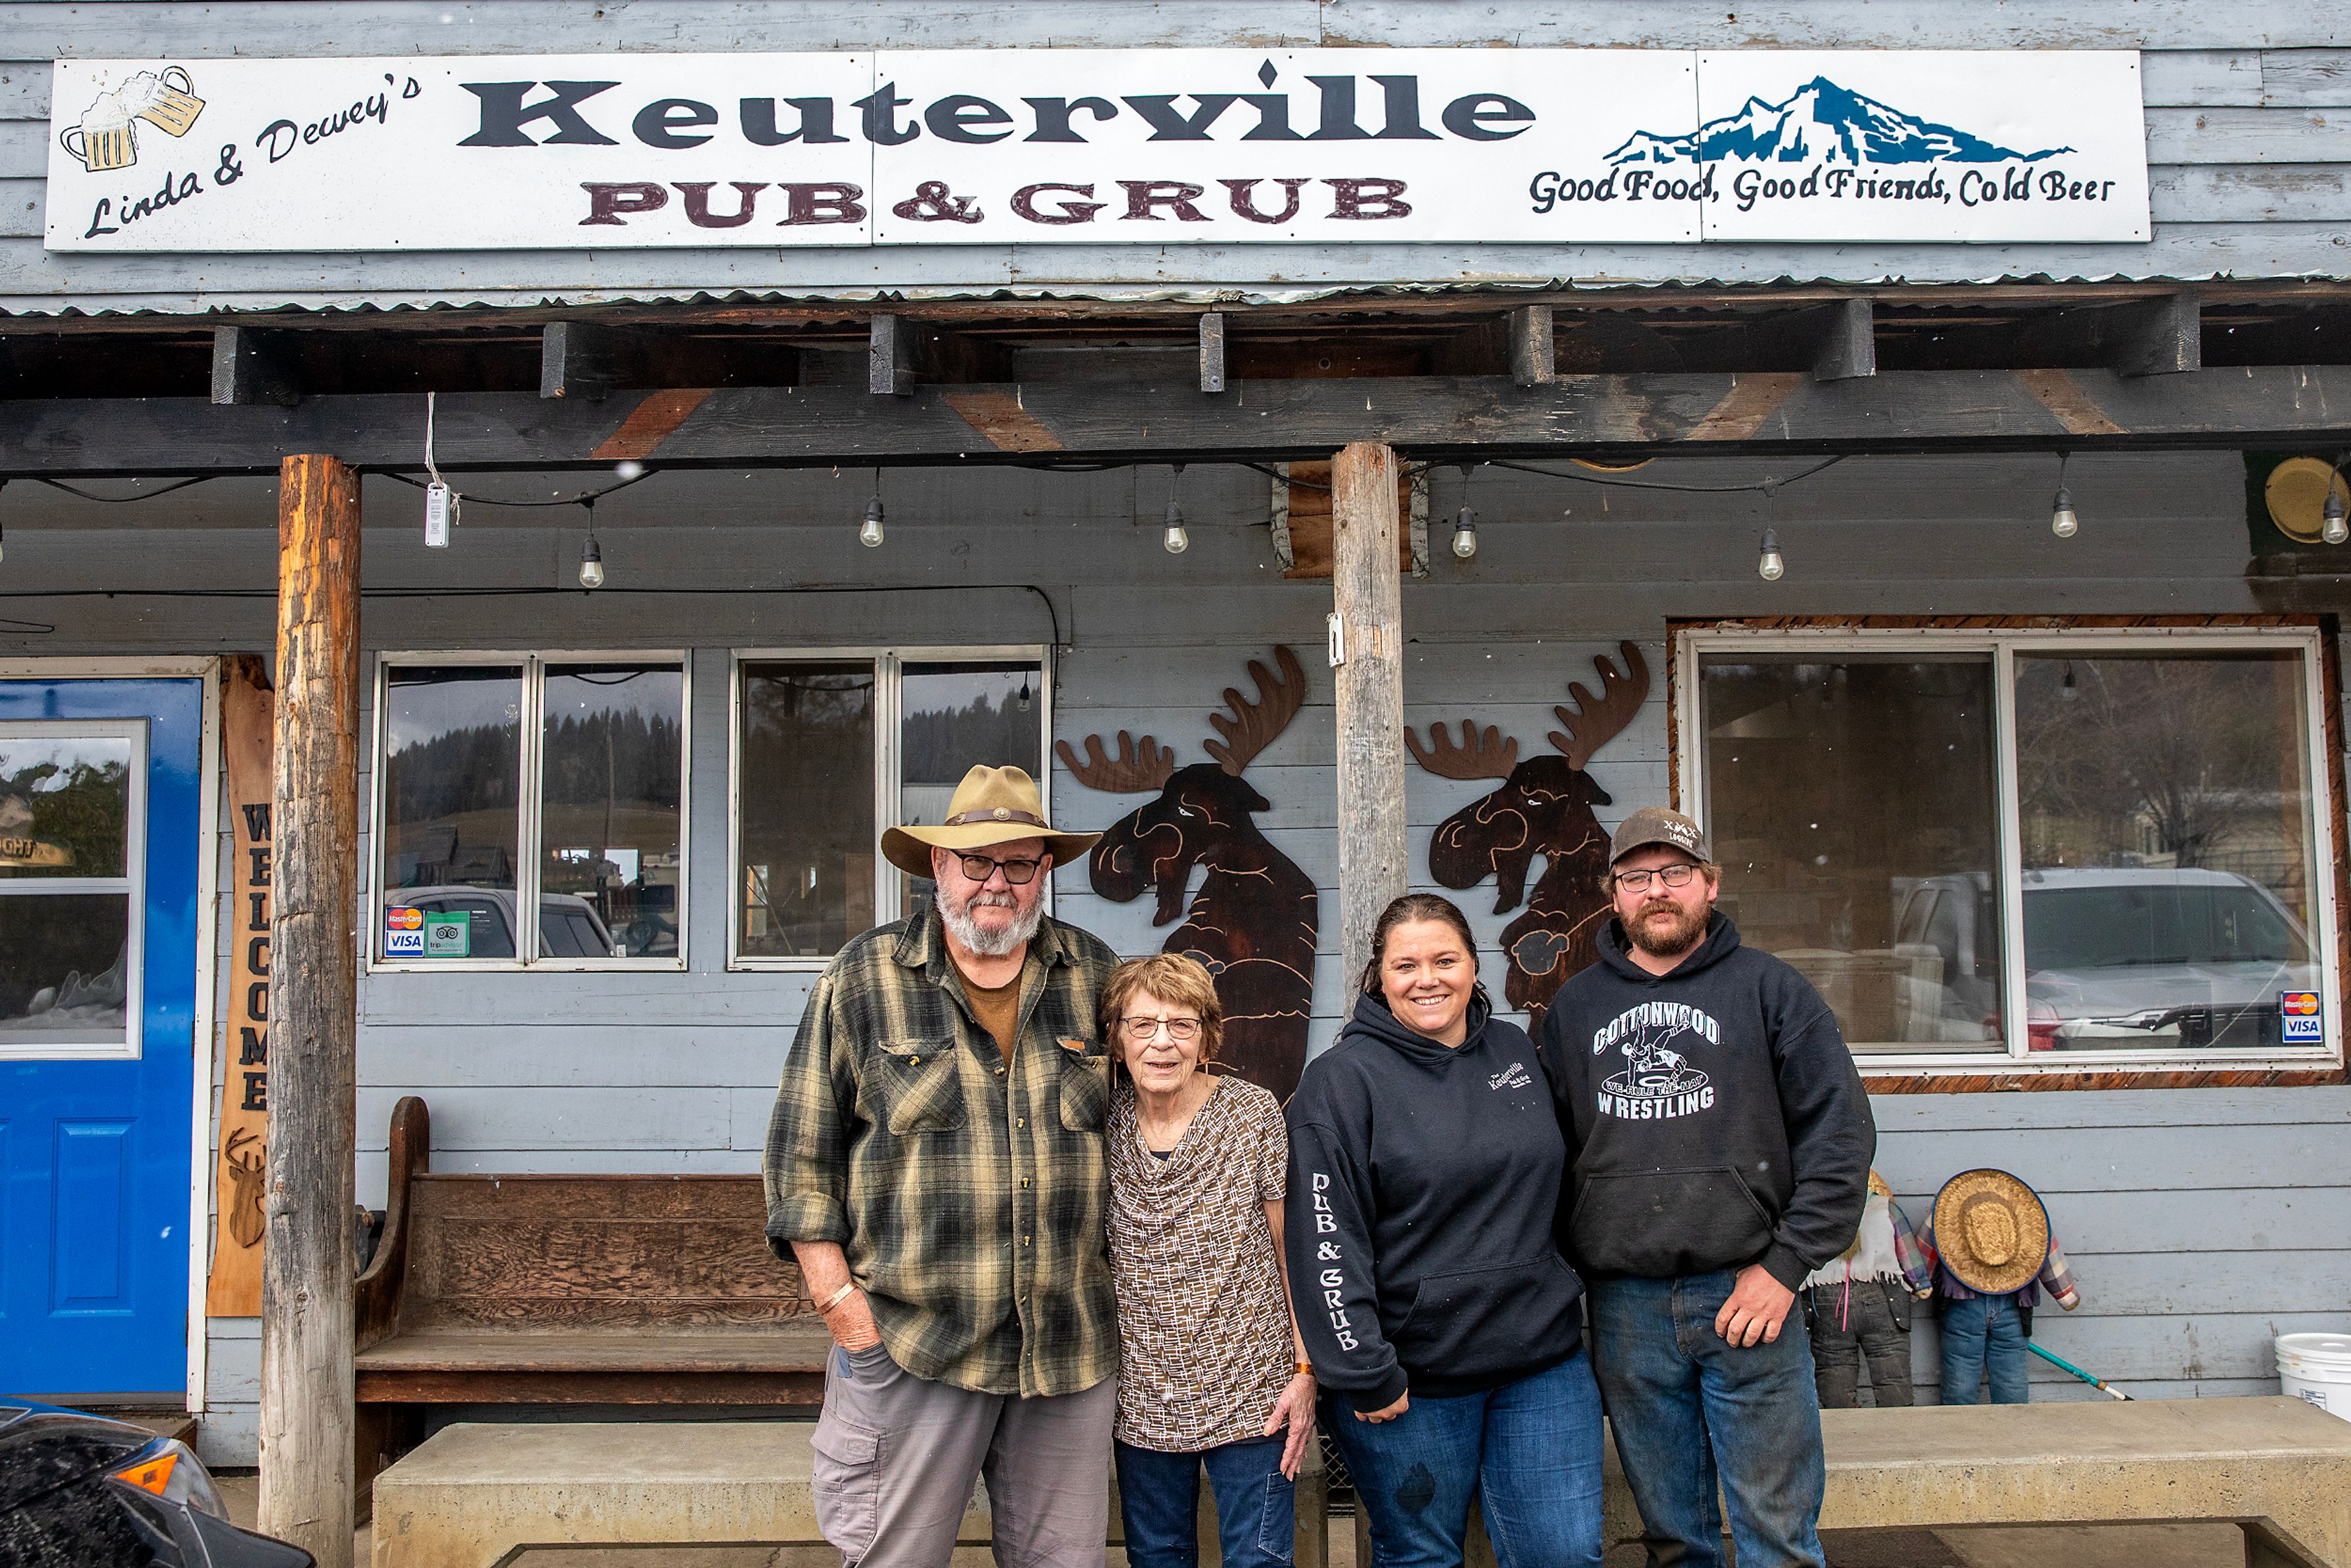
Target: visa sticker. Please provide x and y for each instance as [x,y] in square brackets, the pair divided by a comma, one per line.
[2300,1020]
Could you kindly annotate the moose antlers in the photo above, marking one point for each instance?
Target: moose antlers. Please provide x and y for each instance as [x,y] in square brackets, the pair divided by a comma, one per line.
[1594,722]
[1254,725]
[1141,765]
[1598,720]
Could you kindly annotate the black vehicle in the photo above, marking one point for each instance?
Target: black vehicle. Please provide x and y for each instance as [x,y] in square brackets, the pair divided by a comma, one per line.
[80,1492]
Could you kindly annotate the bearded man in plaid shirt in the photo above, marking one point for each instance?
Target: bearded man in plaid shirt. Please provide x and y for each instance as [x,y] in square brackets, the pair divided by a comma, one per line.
[935,1163]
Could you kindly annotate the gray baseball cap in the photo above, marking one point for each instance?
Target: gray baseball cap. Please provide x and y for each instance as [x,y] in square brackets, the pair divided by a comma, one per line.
[1656,825]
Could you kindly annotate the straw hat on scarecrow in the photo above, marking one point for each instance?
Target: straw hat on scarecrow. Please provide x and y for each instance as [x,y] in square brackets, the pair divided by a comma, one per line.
[991,806]
[1991,1231]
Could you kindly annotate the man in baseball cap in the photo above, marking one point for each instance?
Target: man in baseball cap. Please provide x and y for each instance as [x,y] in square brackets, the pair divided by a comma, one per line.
[1720,1146]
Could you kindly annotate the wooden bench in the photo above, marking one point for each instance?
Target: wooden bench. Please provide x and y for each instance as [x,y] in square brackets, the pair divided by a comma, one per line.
[573,1289]
[475,1495]
[2278,1468]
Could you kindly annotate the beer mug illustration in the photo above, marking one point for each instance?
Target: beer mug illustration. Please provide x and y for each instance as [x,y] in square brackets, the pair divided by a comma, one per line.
[106,137]
[168,102]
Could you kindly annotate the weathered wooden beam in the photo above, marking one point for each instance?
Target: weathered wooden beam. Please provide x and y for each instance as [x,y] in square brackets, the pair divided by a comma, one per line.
[1434,418]
[306,1419]
[2146,338]
[1212,352]
[1368,600]
[253,365]
[1533,361]
[584,360]
[1847,341]
[890,356]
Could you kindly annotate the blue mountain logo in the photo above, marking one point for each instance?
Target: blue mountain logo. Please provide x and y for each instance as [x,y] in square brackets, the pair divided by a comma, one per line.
[1822,121]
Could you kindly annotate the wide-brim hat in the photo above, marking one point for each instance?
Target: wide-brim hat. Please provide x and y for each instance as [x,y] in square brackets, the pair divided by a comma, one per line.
[991,806]
[1991,1231]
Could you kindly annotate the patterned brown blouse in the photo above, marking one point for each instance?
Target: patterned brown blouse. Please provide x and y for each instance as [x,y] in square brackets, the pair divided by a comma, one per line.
[1204,1332]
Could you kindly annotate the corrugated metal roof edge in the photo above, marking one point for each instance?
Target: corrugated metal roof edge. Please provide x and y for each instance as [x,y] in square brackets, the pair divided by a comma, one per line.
[488,302]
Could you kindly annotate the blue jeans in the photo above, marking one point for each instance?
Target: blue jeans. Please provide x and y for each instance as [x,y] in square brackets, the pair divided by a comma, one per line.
[1983,1334]
[1159,1498]
[1530,1451]
[1690,1410]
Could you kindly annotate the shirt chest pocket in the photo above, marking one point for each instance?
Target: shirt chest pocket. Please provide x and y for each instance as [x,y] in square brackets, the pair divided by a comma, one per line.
[1085,1088]
[922,1086]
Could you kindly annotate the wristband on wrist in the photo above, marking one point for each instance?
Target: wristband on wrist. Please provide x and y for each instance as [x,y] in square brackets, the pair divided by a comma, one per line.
[824,1308]
[1305,1369]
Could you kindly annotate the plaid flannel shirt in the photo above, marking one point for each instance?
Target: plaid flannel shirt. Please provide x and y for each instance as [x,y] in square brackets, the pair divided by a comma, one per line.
[969,1195]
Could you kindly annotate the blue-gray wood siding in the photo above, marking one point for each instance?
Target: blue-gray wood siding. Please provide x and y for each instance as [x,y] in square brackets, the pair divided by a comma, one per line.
[2201,1222]
[2247,139]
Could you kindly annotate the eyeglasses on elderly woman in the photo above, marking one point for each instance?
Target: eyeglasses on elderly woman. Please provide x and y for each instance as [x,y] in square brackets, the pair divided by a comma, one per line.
[1183,1031]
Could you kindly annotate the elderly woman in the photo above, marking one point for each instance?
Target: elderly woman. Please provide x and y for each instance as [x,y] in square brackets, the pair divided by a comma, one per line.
[1210,1366]
[1426,1169]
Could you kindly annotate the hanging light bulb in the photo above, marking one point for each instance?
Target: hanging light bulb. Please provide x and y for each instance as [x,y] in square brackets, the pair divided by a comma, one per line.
[1177,540]
[2062,520]
[869,535]
[1024,693]
[2334,527]
[592,560]
[1465,526]
[1770,566]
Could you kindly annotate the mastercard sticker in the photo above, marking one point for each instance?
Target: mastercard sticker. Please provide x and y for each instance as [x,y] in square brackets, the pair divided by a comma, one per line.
[403,933]
[2301,1023]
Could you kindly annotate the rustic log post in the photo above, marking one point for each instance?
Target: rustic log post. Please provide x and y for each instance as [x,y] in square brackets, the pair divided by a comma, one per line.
[306,1255]
[1370,602]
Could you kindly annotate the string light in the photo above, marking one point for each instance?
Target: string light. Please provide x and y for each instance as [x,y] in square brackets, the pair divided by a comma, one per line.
[869,535]
[2062,520]
[1177,540]
[1770,566]
[592,560]
[2334,525]
[1465,527]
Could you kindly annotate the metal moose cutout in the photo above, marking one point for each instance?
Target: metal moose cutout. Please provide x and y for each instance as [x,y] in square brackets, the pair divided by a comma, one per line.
[1254,920]
[1543,807]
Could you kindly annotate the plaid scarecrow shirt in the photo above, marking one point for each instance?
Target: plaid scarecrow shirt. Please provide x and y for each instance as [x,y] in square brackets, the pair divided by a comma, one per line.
[970,1195]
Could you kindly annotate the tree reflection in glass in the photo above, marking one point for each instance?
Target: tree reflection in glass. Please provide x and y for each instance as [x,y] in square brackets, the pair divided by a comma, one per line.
[609,760]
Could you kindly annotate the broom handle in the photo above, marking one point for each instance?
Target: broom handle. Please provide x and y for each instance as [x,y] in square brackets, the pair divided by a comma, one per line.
[2097,1382]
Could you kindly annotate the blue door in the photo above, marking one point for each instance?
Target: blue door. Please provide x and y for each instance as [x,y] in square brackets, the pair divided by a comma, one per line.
[100,844]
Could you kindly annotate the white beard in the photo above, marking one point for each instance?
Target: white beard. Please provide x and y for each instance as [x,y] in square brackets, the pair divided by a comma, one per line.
[977,939]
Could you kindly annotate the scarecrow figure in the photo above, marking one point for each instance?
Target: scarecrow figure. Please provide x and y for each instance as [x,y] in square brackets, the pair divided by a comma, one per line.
[1994,1256]
[1858,1305]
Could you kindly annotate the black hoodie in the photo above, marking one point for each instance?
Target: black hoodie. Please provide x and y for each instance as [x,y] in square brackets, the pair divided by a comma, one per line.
[1715,1115]
[1423,1184]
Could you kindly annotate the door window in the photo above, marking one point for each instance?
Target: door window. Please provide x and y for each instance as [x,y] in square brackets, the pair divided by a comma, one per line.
[72,810]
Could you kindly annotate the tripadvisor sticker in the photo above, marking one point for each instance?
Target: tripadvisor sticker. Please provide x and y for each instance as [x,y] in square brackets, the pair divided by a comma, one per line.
[2301,1022]
[448,936]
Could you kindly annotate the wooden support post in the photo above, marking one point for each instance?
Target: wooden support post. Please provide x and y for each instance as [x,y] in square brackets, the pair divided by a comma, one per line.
[250,366]
[306,1419]
[890,356]
[1212,352]
[1370,603]
[1532,354]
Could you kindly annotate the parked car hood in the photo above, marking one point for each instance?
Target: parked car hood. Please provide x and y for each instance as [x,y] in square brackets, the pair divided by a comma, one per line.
[2125,991]
[43,1448]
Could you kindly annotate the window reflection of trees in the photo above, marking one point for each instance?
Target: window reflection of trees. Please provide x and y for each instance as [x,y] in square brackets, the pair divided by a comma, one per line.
[807,805]
[80,808]
[453,777]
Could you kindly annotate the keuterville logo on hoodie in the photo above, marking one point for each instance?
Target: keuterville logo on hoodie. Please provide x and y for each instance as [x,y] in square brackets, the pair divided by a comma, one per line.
[1657,1082]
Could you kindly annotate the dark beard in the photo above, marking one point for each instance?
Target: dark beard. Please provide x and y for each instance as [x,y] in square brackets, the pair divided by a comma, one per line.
[1669,941]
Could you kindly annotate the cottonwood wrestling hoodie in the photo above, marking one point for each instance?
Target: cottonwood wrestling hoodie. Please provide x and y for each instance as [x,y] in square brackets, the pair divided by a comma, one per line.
[1424,1185]
[1714,1115]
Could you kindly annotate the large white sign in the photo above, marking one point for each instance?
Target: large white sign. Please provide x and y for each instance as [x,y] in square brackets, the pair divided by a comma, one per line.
[1129,146]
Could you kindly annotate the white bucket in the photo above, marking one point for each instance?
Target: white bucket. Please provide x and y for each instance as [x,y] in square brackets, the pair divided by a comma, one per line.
[2316,1368]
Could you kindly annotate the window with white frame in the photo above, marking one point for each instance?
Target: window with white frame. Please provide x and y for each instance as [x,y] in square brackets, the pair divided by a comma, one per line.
[2079,849]
[72,863]
[530,811]
[833,746]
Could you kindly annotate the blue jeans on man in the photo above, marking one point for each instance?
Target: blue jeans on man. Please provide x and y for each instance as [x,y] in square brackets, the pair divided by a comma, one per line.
[1159,1499]
[1530,1452]
[1984,1335]
[1691,1410]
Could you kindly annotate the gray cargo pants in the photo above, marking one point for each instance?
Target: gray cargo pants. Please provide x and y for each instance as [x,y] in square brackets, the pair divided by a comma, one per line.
[896,1456]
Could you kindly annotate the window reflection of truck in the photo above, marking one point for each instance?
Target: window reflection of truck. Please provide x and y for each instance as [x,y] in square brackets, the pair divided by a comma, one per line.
[2120,956]
[569,926]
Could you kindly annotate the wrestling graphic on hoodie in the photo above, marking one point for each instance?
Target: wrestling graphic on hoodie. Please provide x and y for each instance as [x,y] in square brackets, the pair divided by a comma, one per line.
[1658,1081]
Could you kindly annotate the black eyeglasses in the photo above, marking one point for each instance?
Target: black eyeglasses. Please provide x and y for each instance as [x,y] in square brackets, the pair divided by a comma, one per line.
[1020,873]
[1671,875]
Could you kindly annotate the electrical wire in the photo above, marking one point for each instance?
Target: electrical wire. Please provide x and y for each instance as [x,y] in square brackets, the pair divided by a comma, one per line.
[123,500]
[1764,487]
[584,499]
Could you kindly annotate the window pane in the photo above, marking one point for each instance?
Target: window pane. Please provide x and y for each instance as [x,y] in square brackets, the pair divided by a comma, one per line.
[610,812]
[61,968]
[1852,803]
[2166,808]
[953,718]
[451,781]
[804,883]
[65,801]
